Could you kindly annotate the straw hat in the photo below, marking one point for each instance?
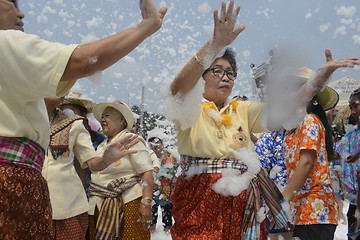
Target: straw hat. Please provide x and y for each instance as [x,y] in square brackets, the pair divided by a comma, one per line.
[327,98]
[118,105]
[78,99]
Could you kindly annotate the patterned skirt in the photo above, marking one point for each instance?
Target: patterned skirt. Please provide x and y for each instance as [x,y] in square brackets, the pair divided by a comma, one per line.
[130,229]
[201,213]
[71,228]
[25,210]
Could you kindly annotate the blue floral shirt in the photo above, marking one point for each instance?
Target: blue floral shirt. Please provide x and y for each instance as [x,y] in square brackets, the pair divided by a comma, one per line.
[348,145]
[268,147]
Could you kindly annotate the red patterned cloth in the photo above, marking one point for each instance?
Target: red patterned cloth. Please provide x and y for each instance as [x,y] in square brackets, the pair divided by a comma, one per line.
[71,228]
[201,213]
[25,210]
[22,152]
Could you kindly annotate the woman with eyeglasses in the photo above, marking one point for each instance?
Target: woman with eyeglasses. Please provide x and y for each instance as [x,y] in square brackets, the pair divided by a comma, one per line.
[213,130]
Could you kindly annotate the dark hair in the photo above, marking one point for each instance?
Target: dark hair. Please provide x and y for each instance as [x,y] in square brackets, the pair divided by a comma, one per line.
[315,108]
[82,109]
[351,120]
[355,93]
[152,139]
[228,55]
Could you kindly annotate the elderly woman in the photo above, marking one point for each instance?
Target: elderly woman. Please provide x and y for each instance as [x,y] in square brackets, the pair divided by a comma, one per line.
[122,192]
[69,136]
[30,70]
[211,133]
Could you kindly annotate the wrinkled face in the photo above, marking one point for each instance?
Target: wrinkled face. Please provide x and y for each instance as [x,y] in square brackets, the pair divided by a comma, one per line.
[354,105]
[10,16]
[112,122]
[218,88]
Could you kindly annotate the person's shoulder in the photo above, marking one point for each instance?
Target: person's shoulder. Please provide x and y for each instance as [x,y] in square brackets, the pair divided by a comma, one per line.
[311,119]
[248,104]
[15,34]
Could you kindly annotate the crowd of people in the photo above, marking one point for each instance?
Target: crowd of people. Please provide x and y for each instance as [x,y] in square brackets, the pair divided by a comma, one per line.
[243,172]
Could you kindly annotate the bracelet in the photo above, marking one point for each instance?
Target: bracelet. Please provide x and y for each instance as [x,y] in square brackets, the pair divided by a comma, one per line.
[198,60]
[145,202]
[148,198]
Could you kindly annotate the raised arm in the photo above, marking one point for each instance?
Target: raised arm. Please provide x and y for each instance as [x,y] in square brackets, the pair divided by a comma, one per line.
[109,50]
[315,84]
[319,80]
[224,34]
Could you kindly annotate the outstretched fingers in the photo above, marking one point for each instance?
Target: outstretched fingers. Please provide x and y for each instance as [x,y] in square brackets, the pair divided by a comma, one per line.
[328,55]
[230,9]
[223,11]
[238,30]
[148,10]
[162,12]
[129,141]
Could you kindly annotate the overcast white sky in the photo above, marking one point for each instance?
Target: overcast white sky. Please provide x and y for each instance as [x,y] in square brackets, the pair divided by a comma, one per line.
[307,25]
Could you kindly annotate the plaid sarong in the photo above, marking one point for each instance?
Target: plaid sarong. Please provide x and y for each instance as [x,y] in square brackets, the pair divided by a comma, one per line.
[22,152]
[262,186]
[210,165]
[111,212]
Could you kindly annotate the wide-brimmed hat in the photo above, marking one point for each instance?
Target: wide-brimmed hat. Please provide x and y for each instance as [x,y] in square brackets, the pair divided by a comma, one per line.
[79,99]
[118,105]
[327,98]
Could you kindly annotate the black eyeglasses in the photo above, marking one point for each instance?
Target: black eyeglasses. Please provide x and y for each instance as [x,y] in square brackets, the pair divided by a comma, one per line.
[219,72]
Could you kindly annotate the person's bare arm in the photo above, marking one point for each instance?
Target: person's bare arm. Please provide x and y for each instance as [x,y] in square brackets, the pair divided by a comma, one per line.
[224,34]
[306,163]
[315,83]
[109,50]
[145,215]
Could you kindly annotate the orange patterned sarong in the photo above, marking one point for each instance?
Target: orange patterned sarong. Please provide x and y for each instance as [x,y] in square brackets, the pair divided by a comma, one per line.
[201,213]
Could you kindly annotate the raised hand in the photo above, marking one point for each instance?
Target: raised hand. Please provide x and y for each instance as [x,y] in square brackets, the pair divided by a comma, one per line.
[331,65]
[119,149]
[324,73]
[151,15]
[224,27]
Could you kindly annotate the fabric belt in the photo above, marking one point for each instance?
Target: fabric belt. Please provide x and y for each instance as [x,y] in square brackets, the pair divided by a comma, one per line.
[210,165]
[262,187]
[22,152]
[111,211]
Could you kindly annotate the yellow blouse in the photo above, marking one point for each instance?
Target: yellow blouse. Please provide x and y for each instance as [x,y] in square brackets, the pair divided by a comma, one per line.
[211,138]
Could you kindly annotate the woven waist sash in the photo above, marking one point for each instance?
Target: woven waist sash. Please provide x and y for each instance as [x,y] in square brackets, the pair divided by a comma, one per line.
[210,165]
[22,152]
[112,209]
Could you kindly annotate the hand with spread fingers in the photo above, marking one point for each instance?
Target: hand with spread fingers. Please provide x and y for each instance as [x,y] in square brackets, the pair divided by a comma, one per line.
[331,65]
[225,31]
[119,149]
[323,74]
[151,15]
